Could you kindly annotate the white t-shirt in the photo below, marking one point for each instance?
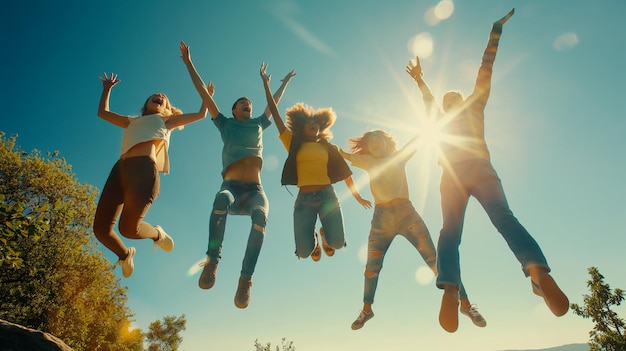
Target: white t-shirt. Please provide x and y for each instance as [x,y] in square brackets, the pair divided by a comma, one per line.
[145,128]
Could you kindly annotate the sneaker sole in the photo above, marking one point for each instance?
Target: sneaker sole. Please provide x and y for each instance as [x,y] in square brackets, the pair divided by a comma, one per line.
[448,314]
[554,297]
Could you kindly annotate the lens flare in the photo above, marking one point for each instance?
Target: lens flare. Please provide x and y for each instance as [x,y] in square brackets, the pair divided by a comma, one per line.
[421,45]
[424,275]
[195,268]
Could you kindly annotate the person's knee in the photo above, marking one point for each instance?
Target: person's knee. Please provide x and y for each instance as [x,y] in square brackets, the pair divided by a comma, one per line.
[128,229]
[372,272]
[259,219]
[222,202]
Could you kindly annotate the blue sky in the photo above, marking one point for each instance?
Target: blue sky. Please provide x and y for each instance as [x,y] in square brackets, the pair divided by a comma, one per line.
[555,125]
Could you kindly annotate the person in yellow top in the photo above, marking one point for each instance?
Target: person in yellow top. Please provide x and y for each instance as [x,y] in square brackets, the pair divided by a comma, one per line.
[133,183]
[313,165]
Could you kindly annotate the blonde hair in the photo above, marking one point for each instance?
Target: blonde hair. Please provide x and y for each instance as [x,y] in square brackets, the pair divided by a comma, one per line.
[299,114]
[360,145]
[169,109]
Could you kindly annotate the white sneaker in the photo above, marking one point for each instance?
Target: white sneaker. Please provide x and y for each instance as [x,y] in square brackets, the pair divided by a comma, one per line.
[361,319]
[127,264]
[474,315]
[165,241]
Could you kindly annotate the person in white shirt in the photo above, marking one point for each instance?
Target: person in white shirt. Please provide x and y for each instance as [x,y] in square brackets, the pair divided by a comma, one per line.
[133,183]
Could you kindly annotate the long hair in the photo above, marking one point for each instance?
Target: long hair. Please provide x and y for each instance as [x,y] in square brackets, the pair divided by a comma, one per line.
[169,109]
[300,113]
[359,145]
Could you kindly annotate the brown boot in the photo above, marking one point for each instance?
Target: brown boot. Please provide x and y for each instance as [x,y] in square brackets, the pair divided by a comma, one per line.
[242,297]
[207,277]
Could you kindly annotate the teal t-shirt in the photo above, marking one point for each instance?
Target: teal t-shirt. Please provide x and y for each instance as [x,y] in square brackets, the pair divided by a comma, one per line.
[241,138]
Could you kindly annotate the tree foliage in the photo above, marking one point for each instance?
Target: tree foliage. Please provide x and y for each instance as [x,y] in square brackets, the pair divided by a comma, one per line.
[165,336]
[609,333]
[52,277]
[285,346]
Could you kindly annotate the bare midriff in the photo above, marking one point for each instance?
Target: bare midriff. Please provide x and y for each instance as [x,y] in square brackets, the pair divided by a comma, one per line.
[392,203]
[248,170]
[146,148]
[312,188]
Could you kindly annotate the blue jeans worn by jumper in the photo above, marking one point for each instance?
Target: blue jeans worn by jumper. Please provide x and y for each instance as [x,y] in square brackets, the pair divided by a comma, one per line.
[239,198]
[387,223]
[325,204]
[478,178]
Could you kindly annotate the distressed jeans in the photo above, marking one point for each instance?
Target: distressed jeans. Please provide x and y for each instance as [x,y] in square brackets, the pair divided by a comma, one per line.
[387,223]
[239,198]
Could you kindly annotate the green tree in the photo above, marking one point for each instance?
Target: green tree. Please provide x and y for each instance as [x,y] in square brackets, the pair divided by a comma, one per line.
[53,276]
[285,346]
[166,336]
[609,333]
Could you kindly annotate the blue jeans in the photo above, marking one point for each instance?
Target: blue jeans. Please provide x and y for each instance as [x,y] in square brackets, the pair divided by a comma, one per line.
[239,198]
[387,223]
[325,204]
[477,178]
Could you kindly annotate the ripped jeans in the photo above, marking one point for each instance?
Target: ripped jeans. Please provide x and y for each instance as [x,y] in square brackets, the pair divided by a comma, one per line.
[387,222]
[239,198]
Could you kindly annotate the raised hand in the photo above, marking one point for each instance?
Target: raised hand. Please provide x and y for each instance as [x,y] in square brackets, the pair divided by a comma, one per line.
[210,88]
[503,20]
[266,77]
[184,53]
[109,82]
[414,69]
[288,76]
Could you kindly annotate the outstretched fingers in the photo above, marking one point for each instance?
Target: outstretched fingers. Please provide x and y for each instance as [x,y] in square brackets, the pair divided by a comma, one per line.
[184,52]
[262,71]
[414,69]
[210,88]
[109,80]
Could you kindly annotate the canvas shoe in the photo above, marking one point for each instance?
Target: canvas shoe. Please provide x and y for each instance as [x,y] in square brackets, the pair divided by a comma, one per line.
[127,264]
[317,253]
[207,277]
[242,296]
[474,315]
[328,250]
[165,241]
[361,319]
[554,297]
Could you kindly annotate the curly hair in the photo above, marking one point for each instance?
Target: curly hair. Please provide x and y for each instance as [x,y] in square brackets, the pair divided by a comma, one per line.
[359,145]
[169,109]
[299,114]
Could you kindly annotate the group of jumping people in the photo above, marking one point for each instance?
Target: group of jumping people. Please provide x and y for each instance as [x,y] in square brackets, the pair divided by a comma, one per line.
[313,165]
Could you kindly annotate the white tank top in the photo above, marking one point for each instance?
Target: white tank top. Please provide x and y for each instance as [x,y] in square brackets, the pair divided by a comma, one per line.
[146,128]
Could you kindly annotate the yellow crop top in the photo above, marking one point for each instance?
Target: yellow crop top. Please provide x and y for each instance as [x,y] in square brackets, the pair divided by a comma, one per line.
[311,161]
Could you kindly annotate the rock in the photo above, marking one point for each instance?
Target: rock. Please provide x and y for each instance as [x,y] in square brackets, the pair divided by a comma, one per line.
[15,337]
